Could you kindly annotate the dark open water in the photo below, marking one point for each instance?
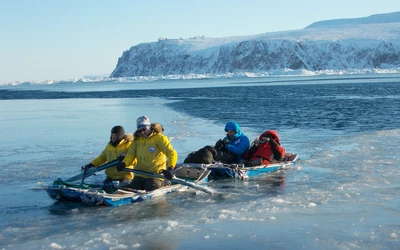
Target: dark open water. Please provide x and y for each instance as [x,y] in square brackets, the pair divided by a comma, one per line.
[346,104]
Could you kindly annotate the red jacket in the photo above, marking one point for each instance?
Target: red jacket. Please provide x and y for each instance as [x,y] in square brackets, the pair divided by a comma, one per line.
[267,151]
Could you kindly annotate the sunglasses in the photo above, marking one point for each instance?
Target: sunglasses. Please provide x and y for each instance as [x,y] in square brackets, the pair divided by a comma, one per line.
[141,129]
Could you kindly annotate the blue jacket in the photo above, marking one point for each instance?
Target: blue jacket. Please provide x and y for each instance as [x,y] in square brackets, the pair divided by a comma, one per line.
[240,143]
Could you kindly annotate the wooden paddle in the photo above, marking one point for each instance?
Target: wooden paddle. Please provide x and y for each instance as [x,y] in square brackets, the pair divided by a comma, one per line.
[173,180]
[92,171]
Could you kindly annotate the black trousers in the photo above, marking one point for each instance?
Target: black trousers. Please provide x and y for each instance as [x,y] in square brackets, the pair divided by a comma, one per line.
[148,184]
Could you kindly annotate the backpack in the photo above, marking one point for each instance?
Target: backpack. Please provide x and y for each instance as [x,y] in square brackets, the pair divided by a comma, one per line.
[224,155]
[204,155]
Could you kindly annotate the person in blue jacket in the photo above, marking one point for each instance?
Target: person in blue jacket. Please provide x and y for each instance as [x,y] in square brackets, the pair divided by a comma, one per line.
[235,142]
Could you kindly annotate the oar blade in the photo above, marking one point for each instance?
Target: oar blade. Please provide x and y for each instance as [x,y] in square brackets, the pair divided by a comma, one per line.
[92,171]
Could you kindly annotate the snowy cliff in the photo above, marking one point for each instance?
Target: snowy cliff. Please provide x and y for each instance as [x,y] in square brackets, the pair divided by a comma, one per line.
[359,43]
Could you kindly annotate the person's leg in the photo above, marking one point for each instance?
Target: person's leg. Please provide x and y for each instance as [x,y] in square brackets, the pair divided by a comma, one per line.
[108,185]
[256,161]
[153,183]
[124,182]
[137,183]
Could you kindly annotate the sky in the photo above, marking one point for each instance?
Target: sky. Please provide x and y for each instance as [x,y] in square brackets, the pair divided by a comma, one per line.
[63,40]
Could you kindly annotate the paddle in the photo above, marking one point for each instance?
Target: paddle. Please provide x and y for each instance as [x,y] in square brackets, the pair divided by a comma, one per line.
[83,175]
[92,171]
[173,180]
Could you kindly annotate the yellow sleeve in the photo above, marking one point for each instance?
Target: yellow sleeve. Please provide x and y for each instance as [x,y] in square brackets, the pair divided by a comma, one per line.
[169,151]
[134,161]
[130,157]
[101,159]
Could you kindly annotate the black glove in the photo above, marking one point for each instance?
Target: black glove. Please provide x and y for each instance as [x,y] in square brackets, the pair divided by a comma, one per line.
[220,144]
[120,166]
[121,157]
[169,173]
[90,165]
[108,186]
[271,141]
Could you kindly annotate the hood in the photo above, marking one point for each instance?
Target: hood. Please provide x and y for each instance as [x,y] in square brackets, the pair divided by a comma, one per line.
[156,127]
[128,137]
[234,126]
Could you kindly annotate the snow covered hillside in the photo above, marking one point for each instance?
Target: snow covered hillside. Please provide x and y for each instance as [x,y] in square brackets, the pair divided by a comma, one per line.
[360,43]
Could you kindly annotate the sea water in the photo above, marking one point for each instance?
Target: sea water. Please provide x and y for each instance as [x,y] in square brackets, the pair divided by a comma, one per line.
[342,194]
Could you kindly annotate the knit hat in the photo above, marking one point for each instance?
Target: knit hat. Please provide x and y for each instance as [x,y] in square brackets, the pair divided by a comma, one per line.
[142,122]
[119,131]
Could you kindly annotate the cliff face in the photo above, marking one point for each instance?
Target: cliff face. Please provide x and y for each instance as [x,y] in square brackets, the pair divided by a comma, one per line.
[336,47]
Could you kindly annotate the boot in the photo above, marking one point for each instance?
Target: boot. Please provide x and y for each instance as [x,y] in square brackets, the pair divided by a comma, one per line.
[256,162]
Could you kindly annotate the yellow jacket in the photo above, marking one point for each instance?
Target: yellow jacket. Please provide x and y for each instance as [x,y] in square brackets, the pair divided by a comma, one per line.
[111,153]
[152,152]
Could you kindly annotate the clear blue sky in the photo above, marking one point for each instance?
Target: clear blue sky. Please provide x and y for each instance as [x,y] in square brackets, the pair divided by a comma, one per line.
[61,40]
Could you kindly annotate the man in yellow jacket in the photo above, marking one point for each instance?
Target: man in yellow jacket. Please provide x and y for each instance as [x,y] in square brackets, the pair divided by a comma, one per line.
[150,148]
[115,148]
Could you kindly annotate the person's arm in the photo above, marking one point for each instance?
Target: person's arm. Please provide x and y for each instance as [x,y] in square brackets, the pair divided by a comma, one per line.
[253,149]
[241,147]
[277,149]
[130,157]
[166,147]
[101,159]
[169,151]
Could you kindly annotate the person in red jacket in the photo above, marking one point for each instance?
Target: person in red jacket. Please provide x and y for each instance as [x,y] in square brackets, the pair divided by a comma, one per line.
[265,150]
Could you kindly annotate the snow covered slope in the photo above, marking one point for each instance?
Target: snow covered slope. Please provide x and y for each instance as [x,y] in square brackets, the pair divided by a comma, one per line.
[359,43]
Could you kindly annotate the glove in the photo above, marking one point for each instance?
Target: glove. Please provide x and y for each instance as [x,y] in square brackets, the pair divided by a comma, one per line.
[169,173]
[220,144]
[120,166]
[272,142]
[121,157]
[108,186]
[86,167]
[255,143]
[266,139]
[270,138]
